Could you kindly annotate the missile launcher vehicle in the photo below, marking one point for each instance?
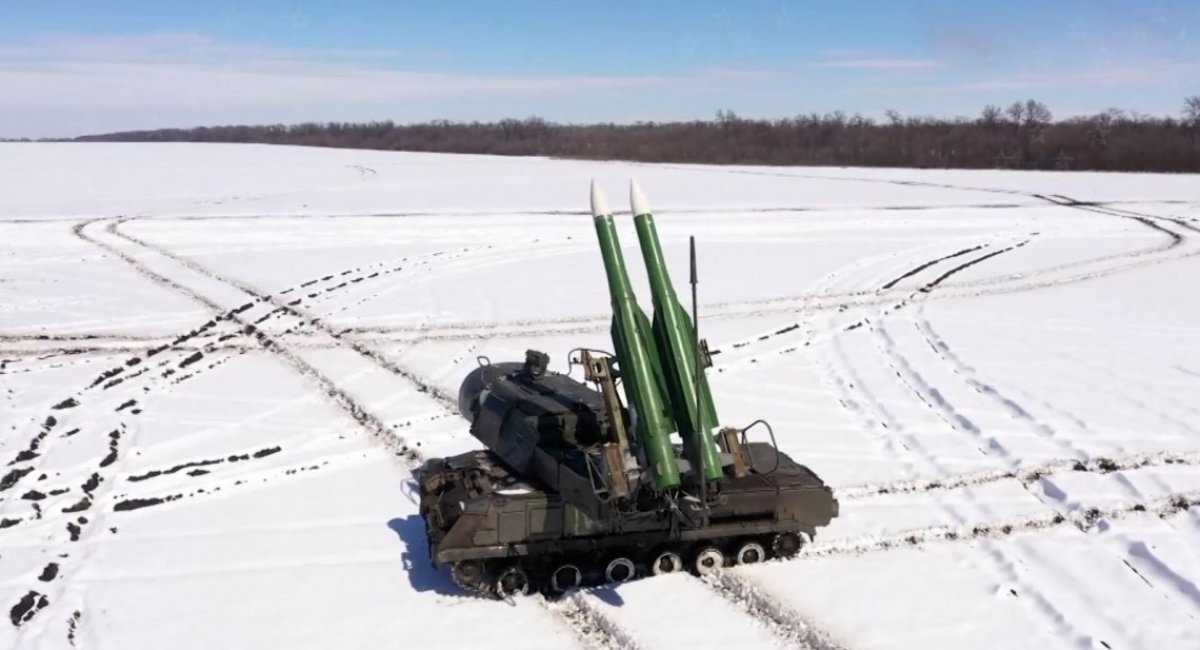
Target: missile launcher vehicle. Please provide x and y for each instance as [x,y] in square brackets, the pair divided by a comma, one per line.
[579,486]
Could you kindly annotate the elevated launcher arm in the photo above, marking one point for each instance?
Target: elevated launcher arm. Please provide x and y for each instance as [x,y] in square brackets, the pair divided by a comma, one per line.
[660,361]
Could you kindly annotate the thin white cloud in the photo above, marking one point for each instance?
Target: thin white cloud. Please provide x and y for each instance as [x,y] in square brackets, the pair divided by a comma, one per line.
[51,86]
[882,64]
[189,71]
[183,47]
[71,84]
[1127,75]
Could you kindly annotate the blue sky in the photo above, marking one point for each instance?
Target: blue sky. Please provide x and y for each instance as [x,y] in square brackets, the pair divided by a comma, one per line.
[70,67]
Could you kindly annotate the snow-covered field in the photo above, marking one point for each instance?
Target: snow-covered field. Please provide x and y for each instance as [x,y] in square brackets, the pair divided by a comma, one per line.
[213,357]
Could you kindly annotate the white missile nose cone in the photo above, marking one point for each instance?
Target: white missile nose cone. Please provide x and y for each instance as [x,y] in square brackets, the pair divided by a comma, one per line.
[637,201]
[599,205]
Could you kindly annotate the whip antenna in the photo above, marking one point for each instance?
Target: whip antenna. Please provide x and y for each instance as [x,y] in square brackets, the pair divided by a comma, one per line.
[701,425]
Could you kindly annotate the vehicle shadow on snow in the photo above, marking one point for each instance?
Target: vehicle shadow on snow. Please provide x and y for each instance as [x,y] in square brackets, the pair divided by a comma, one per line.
[421,573]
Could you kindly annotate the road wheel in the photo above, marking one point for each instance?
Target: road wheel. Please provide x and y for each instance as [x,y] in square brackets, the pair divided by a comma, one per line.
[512,581]
[786,545]
[708,559]
[666,562]
[468,575]
[750,553]
[566,576]
[620,569]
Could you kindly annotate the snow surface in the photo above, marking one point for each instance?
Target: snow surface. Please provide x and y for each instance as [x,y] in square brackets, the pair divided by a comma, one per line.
[997,372]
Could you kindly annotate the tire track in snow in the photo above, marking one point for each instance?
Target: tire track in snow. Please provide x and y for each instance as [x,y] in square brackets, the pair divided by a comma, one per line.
[171,364]
[1062,201]
[581,213]
[786,623]
[589,324]
[30,360]
[291,308]
[933,398]
[83,528]
[1124,394]
[841,375]
[1003,566]
[878,416]
[903,369]
[921,267]
[34,450]
[592,627]
[1084,521]
[1020,414]
[970,375]
[1102,208]
[1028,475]
[587,622]
[892,304]
[200,332]
[77,529]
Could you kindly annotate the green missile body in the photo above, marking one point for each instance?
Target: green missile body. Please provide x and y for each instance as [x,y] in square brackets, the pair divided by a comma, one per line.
[676,345]
[636,355]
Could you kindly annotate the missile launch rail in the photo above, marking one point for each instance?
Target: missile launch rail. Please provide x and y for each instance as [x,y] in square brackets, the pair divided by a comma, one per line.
[575,487]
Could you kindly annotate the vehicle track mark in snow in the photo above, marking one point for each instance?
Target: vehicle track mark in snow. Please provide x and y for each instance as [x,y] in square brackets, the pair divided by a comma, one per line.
[1088,371]
[1041,603]
[925,265]
[125,503]
[81,529]
[784,622]
[1101,208]
[178,343]
[1083,521]
[878,416]
[83,526]
[592,628]
[79,231]
[587,622]
[880,298]
[289,307]
[1028,475]
[1009,404]
[966,265]
[1066,580]
[760,209]
[841,376]
[364,172]
[1001,563]
[1183,585]
[932,397]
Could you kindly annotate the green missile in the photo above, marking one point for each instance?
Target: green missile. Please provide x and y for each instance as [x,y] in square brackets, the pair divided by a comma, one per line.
[636,355]
[695,415]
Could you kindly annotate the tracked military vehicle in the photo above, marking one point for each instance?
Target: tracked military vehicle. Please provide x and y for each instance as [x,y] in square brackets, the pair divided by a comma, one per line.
[577,486]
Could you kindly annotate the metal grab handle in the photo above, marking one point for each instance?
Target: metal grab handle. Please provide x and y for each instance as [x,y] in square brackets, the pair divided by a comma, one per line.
[774,445]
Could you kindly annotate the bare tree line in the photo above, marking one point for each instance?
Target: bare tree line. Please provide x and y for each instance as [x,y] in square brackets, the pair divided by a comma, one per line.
[1023,135]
